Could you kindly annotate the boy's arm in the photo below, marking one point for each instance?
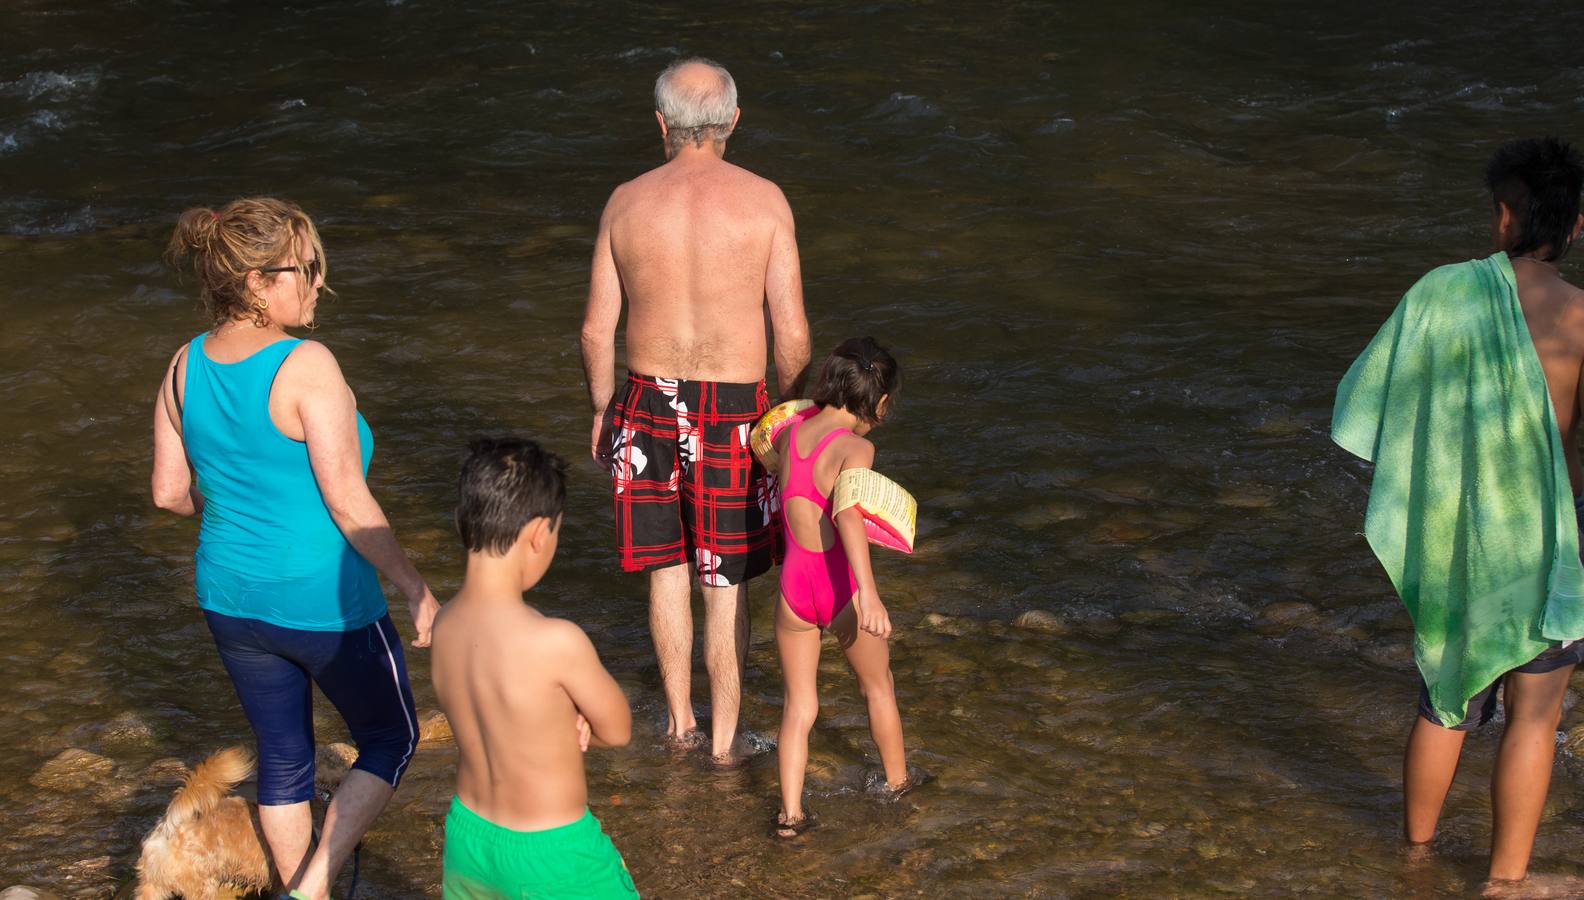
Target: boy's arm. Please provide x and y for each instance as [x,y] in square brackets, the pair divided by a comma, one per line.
[597,696]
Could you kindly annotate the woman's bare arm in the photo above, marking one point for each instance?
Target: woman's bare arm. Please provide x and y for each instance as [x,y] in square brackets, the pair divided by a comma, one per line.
[329,422]
[172,483]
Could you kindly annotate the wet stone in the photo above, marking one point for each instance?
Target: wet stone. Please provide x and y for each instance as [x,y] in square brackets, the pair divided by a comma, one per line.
[942,624]
[1286,615]
[434,727]
[72,769]
[1041,620]
[1099,625]
[1574,742]
[1390,653]
[23,892]
[166,770]
[128,730]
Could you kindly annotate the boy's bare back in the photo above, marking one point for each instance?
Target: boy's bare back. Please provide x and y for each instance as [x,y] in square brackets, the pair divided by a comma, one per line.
[1554,312]
[513,682]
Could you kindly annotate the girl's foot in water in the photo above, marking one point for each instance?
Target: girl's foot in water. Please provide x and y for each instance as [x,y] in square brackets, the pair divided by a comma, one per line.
[787,828]
[875,782]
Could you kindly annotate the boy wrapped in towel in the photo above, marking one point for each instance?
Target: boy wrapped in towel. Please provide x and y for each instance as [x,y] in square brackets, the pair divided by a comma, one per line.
[1467,401]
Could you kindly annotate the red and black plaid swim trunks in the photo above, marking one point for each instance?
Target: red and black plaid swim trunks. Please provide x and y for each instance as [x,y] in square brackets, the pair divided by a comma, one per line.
[687,486]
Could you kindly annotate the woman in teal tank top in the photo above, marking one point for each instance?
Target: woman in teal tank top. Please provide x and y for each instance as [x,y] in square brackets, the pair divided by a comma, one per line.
[258,434]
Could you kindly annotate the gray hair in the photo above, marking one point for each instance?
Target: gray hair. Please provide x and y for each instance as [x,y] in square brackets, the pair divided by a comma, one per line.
[693,115]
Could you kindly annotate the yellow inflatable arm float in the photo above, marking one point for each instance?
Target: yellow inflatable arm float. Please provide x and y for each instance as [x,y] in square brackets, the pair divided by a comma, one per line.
[762,438]
[889,512]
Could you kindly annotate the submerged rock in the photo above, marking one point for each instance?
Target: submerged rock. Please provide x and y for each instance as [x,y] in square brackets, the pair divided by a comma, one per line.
[166,770]
[1041,620]
[23,892]
[1286,615]
[434,727]
[71,769]
[332,762]
[942,624]
[1574,742]
[128,730]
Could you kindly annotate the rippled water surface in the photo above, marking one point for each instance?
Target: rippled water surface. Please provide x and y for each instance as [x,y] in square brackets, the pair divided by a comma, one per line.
[1124,252]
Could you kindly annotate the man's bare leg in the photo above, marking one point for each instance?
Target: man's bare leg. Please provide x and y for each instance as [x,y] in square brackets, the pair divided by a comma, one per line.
[1523,768]
[288,829]
[357,803]
[671,626]
[725,653]
[1428,766]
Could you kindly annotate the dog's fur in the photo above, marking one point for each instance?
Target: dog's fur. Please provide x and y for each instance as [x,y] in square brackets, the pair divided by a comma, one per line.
[211,837]
[208,838]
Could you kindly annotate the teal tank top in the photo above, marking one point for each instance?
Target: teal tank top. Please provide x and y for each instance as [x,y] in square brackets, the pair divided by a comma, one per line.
[267,547]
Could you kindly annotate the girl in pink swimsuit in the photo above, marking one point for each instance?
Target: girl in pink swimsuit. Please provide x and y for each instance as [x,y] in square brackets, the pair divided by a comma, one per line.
[826,581]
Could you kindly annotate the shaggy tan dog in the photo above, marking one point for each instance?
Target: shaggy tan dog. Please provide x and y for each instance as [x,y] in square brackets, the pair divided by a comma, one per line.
[210,837]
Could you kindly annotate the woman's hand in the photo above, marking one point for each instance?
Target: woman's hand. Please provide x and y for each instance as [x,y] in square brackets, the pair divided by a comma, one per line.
[872,615]
[423,610]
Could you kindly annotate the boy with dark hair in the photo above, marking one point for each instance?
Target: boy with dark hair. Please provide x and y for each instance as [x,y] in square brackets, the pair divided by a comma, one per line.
[1468,402]
[525,694]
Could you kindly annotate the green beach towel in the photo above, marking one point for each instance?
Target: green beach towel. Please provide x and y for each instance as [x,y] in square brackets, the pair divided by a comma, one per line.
[1470,511]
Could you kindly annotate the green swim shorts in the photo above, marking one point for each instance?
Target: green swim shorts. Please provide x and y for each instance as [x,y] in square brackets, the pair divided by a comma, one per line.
[484,861]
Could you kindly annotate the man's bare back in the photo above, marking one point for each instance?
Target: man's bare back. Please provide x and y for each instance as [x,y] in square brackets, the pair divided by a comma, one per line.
[1554,312]
[702,249]
[512,682]
[699,244]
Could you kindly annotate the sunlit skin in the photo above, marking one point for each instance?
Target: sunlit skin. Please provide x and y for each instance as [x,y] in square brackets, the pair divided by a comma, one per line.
[310,401]
[703,251]
[1554,312]
[525,694]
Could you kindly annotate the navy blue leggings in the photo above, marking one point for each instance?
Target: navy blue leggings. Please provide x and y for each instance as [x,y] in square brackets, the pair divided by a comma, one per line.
[361,671]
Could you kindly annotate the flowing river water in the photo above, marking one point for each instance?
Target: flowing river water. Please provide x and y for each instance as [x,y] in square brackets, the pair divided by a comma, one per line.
[1123,253]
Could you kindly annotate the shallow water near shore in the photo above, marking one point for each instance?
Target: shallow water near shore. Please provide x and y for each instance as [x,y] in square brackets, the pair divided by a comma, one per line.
[1123,254]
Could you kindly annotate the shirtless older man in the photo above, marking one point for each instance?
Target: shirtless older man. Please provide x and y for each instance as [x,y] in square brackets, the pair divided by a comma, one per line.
[701,248]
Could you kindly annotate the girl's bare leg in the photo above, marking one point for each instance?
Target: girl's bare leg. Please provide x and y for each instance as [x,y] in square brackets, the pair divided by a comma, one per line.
[799,645]
[870,659]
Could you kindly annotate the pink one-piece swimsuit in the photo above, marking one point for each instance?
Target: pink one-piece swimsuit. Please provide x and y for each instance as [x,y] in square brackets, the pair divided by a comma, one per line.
[817,584]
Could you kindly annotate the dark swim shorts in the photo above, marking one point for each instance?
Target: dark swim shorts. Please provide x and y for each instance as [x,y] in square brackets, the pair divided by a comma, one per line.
[687,486]
[1571,654]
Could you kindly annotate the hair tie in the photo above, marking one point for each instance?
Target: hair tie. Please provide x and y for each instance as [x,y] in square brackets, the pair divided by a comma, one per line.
[866,364]
[214,216]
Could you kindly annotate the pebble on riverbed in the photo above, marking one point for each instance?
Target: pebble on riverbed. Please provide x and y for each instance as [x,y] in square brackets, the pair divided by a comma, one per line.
[72,769]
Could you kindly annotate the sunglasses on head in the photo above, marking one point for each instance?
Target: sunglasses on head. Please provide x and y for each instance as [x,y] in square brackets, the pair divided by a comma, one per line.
[309,269]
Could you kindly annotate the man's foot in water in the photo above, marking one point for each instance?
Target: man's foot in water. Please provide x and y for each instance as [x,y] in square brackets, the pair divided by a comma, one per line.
[689,740]
[1535,885]
[744,747]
